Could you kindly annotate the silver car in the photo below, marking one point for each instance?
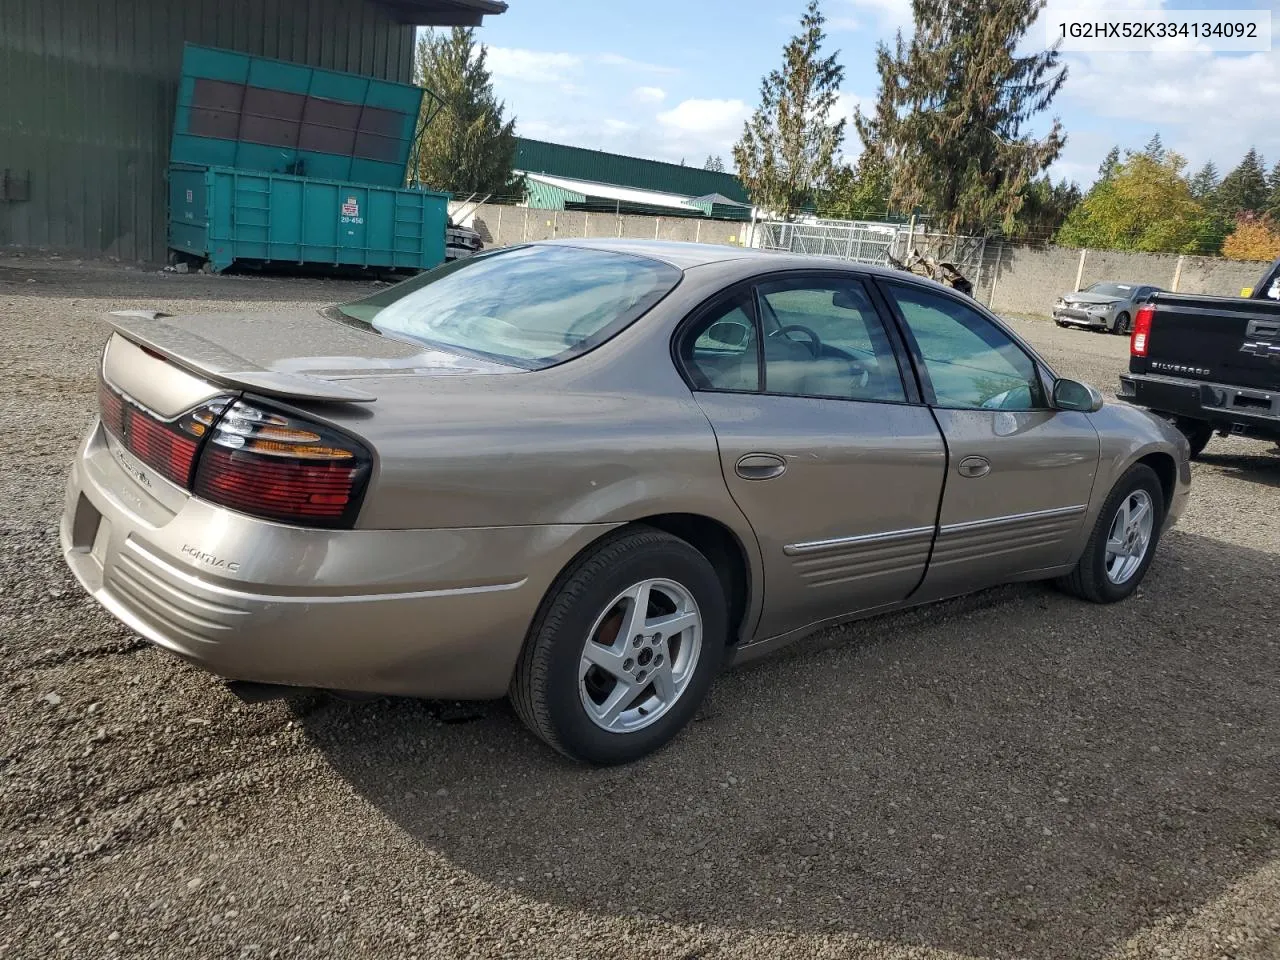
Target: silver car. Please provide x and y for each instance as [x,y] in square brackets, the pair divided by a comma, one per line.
[1106,305]
[589,474]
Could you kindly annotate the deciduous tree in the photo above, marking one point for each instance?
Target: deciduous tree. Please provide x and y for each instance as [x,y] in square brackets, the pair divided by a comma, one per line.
[1145,205]
[1255,238]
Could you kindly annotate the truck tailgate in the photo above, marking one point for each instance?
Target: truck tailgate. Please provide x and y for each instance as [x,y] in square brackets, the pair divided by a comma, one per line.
[1215,339]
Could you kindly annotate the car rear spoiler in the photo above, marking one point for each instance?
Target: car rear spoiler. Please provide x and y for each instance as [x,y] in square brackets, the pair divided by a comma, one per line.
[148,330]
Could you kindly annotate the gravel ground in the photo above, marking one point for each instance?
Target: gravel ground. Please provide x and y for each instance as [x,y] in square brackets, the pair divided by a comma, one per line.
[1012,774]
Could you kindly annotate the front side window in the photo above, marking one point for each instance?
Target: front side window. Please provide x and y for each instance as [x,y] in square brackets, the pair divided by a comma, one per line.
[971,363]
[823,338]
[531,306]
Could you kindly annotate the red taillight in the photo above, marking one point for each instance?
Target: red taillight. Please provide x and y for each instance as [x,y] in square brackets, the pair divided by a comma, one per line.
[280,467]
[247,457]
[1140,342]
[161,447]
[166,446]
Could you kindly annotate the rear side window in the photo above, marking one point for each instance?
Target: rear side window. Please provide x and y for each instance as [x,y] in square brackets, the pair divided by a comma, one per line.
[721,350]
[531,306]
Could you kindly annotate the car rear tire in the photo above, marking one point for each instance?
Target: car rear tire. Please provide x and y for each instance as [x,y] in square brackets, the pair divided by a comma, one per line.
[599,679]
[1123,541]
[1123,324]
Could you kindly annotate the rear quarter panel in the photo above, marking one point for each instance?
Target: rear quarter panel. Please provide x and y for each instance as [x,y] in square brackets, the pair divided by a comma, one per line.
[610,437]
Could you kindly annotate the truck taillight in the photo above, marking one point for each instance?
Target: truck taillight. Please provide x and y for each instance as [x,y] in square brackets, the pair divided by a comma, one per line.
[1141,339]
[282,467]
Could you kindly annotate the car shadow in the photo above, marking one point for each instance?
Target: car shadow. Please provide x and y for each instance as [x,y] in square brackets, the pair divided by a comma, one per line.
[1262,467]
[1014,772]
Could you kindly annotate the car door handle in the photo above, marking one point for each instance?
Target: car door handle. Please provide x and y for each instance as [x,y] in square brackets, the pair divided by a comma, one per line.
[974,467]
[761,466]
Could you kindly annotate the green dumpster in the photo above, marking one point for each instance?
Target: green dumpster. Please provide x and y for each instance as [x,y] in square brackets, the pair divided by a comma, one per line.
[275,162]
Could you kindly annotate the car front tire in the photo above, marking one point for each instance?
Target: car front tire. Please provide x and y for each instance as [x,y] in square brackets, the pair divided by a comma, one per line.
[1123,540]
[1123,324]
[624,648]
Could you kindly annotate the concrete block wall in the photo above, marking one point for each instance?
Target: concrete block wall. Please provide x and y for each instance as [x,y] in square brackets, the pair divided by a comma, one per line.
[1019,279]
[501,226]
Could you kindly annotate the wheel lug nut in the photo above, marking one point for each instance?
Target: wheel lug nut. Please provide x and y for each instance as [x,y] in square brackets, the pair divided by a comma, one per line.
[657,638]
[637,641]
[657,661]
[628,664]
[640,675]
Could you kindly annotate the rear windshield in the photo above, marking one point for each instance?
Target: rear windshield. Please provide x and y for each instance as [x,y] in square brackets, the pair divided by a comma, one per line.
[1111,289]
[529,306]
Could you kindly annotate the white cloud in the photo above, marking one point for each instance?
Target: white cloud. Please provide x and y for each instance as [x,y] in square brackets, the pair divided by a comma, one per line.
[1204,106]
[531,66]
[649,94]
[546,66]
[694,128]
[704,116]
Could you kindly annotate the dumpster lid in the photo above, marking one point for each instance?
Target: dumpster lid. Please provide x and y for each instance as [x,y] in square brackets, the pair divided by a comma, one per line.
[272,116]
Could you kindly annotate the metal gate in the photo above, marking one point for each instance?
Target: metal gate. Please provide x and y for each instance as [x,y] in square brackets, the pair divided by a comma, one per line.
[856,240]
[866,241]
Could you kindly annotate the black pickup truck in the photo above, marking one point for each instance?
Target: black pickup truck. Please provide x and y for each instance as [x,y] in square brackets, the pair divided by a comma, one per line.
[1209,364]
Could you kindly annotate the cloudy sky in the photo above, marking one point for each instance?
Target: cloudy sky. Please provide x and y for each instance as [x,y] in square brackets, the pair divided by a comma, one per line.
[675,79]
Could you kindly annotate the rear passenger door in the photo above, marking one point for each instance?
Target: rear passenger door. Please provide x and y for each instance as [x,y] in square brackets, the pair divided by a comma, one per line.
[824,444]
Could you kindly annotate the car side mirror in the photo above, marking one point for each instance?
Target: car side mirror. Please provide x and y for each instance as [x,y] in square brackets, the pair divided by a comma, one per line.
[728,333]
[1074,395]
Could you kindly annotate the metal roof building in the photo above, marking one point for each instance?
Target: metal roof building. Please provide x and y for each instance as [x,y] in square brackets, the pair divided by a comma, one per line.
[88,89]
[561,177]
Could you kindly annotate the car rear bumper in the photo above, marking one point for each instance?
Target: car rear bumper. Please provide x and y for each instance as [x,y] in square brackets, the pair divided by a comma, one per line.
[1231,409]
[433,613]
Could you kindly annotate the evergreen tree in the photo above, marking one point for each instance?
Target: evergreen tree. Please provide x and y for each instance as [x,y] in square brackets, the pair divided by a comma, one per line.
[1244,189]
[714,163]
[1155,148]
[1205,182]
[1110,164]
[467,147]
[1273,192]
[786,153]
[858,192]
[1045,207]
[953,109]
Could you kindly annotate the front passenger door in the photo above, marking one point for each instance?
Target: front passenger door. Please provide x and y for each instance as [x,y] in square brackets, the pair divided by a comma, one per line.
[1019,474]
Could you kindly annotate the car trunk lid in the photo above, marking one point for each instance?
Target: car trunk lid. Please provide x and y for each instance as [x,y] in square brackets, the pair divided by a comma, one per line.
[298,355]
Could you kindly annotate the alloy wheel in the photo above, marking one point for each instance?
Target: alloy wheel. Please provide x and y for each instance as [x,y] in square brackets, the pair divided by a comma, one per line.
[640,655]
[1130,536]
